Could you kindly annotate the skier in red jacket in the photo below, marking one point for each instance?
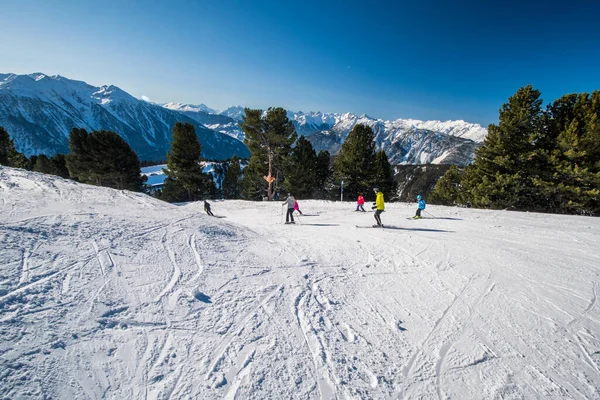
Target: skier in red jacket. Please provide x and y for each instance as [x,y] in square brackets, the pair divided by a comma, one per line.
[360,203]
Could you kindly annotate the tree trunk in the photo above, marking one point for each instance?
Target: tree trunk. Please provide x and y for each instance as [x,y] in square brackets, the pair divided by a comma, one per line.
[270,187]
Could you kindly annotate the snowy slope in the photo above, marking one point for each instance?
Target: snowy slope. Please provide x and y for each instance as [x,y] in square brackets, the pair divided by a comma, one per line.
[39,111]
[112,294]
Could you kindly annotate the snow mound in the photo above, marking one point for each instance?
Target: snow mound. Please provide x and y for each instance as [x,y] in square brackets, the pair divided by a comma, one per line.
[112,294]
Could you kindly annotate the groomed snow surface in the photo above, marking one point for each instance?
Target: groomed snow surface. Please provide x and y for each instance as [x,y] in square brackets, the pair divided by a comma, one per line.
[113,294]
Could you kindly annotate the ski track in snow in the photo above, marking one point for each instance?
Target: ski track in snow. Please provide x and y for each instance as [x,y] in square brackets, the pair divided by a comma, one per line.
[112,294]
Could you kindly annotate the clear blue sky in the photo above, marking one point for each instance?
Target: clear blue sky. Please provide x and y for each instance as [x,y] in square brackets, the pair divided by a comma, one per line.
[423,59]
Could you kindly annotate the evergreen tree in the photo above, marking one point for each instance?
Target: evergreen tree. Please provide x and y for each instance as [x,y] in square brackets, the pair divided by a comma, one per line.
[571,179]
[59,162]
[185,180]
[269,139]
[383,175]
[232,182]
[503,169]
[324,175]
[9,156]
[448,187]
[301,170]
[103,158]
[355,161]
[44,165]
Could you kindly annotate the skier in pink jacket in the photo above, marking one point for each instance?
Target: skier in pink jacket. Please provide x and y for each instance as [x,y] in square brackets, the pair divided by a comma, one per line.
[297,207]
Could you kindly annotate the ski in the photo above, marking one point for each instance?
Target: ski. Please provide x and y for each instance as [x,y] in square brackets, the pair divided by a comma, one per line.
[370,226]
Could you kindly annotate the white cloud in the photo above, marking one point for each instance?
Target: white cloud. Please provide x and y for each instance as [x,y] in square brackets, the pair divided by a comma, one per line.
[145,98]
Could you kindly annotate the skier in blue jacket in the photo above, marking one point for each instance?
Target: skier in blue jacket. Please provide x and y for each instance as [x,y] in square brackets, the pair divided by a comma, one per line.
[421,206]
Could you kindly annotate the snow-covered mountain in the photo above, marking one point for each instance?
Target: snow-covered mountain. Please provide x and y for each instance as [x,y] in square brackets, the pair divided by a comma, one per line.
[110,294]
[210,119]
[39,111]
[408,141]
[236,112]
[405,141]
[181,107]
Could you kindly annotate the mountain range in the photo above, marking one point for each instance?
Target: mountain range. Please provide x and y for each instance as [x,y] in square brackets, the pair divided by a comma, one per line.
[39,111]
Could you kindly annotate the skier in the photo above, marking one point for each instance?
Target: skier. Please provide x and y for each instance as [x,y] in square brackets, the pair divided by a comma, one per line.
[421,206]
[378,206]
[360,202]
[290,201]
[207,208]
[297,207]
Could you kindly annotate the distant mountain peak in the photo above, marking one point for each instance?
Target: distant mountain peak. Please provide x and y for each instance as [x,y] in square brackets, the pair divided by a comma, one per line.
[181,107]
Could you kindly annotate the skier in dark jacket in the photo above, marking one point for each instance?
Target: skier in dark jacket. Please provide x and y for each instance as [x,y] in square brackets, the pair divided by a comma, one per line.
[290,201]
[207,208]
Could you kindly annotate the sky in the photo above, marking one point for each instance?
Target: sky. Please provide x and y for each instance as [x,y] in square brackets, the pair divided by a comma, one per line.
[426,59]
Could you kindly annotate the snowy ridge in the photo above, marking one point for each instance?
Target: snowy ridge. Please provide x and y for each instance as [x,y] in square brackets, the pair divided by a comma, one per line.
[114,294]
[189,107]
[39,111]
[236,112]
[405,141]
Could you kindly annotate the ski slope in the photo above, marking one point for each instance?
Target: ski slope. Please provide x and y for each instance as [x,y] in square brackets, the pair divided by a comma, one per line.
[113,294]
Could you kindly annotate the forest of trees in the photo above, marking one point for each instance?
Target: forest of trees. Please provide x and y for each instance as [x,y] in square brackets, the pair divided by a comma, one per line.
[534,159]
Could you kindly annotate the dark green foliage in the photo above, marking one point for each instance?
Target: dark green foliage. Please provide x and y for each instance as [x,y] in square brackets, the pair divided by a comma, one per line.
[570,181]
[447,189]
[301,170]
[324,174]
[503,165]
[103,158]
[185,180]
[383,176]
[412,180]
[9,156]
[354,163]
[59,161]
[44,165]
[535,160]
[232,182]
[269,140]
[147,163]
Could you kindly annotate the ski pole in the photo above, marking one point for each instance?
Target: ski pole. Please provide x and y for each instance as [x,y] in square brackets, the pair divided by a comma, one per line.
[281,219]
[433,216]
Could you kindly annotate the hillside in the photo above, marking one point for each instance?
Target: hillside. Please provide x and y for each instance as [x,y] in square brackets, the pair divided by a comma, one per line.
[39,111]
[113,294]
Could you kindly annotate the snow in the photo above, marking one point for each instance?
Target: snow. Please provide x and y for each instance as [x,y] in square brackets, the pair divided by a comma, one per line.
[113,294]
[156,175]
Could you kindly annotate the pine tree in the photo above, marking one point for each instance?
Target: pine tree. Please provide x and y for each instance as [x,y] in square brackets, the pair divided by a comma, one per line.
[301,170]
[571,180]
[355,161]
[448,188]
[60,165]
[383,175]
[232,182]
[9,156]
[103,158]
[44,165]
[269,139]
[324,175]
[185,180]
[502,173]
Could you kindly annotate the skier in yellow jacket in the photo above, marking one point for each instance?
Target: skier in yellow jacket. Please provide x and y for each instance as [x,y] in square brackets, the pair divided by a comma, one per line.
[378,206]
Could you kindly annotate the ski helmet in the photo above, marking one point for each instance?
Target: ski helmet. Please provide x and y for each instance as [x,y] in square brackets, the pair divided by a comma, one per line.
[419,197]
[376,189]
